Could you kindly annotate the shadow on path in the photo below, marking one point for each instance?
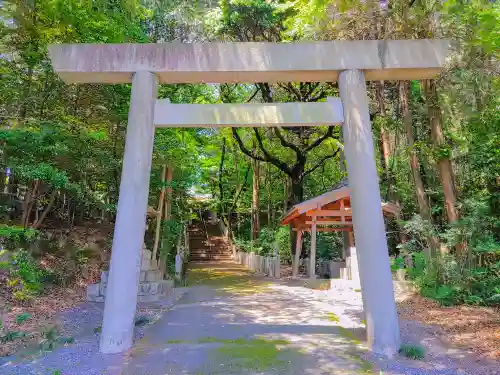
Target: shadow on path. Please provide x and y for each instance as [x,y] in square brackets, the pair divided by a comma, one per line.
[231,321]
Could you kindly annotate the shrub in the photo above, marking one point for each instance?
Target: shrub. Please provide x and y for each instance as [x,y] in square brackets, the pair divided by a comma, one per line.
[142,320]
[329,245]
[26,277]
[13,237]
[171,230]
[269,239]
[412,351]
[283,242]
[7,335]
[52,338]
[449,282]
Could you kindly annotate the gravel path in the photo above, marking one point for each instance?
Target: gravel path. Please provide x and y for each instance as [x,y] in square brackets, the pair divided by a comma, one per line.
[230,322]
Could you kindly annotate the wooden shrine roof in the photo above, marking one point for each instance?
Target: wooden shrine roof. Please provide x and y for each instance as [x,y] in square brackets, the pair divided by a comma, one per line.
[332,211]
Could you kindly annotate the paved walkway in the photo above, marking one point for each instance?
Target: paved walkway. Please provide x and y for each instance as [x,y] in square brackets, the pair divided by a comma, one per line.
[234,323]
[230,322]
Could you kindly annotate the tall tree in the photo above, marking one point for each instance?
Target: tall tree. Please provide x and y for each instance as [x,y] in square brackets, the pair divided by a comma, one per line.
[255,197]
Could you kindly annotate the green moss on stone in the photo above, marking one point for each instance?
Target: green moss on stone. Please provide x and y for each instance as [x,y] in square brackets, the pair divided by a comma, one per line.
[332,317]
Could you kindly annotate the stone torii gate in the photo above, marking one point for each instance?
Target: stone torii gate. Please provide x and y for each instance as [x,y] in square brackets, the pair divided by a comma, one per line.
[351,63]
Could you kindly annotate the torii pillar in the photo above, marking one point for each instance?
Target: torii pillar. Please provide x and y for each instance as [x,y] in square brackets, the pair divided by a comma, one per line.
[128,240]
[368,221]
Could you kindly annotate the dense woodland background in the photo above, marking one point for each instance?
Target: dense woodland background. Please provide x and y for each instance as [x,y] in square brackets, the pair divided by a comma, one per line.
[438,140]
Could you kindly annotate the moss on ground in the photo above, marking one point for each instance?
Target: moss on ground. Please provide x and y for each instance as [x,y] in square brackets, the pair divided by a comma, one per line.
[317,284]
[254,354]
[238,282]
[354,356]
[347,334]
[178,342]
[242,341]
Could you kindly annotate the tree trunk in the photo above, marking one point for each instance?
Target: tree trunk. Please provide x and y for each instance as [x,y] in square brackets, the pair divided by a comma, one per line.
[255,200]
[297,193]
[23,109]
[386,154]
[422,199]
[47,209]
[269,205]
[168,201]
[384,137]
[444,162]
[221,186]
[296,196]
[236,198]
[160,212]
[29,200]
[285,195]
[345,235]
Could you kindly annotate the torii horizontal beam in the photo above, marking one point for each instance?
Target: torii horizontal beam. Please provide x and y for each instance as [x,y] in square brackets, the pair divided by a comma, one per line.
[252,115]
[250,62]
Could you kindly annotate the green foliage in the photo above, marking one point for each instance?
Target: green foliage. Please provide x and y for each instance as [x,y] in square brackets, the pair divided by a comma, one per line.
[449,283]
[26,277]
[243,19]
[283,242]
[13,237]
[21,318]
[171,230]
[397,263]
[52,338]
[142,320]
[412,351]
[10,336]
[418,231]
[7,335]
[270,240]
[329,245]
[308,17]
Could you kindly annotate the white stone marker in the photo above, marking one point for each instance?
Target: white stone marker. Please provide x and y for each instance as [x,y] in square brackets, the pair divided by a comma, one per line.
[371,243]
[312,255]
[354,264]
[128,240]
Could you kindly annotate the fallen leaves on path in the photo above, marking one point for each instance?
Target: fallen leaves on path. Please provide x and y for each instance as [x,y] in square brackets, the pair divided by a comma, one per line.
[471,327]
[42,311]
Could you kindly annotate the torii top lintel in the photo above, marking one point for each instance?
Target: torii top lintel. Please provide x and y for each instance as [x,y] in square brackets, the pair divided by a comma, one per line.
[250,62]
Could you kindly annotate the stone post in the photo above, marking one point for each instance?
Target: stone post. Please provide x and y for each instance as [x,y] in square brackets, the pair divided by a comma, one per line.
[298,250]
[371,242]
[312,256]
[128,240]
[276,263]
[354,264]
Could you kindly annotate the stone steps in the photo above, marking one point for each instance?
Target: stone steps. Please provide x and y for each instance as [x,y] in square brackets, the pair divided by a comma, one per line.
[213,248]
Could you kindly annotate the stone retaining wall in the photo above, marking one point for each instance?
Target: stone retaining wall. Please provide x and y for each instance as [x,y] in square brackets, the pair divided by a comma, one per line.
[152,287]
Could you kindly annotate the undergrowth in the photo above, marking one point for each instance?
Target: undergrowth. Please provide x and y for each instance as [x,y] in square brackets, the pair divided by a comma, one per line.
[412,351]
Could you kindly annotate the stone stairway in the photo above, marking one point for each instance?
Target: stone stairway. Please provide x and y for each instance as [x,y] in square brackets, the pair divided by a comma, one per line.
[213,248]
